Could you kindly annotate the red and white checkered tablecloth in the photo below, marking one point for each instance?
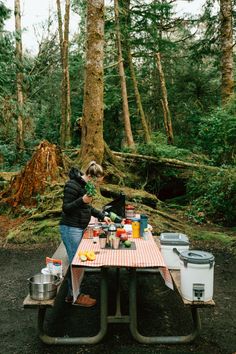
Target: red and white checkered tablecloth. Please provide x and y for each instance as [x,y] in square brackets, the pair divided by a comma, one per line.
[146,255]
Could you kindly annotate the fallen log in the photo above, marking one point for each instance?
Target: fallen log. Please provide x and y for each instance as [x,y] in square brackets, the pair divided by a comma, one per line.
[162,161]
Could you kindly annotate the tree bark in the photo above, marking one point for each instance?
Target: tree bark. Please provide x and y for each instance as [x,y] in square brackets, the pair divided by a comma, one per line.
[65,137]
[227,81]
[164,101]
[92,143]
[19,78]
[127,124]
[66,72]
[138,99]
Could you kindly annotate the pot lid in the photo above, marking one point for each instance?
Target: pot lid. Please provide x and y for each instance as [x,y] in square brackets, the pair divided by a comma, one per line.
[112,227]
[196,257]
[173,239]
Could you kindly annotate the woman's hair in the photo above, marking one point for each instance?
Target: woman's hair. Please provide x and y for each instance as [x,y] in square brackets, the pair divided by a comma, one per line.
[94,170]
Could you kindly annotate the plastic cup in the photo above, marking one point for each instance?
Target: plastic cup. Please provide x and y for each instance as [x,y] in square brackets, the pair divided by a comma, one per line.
[115,243]
[102,242]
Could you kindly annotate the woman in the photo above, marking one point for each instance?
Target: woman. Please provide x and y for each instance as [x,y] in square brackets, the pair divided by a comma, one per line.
[76,214]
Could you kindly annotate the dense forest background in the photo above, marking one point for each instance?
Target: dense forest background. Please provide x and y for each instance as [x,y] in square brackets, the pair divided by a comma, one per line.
[168,93]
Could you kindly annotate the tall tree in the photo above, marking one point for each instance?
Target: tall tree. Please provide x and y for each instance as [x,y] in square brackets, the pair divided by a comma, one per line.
[92,142]
[127,124]
[65,136]
[19,78]
[227,84]
[126,14]
[164,102]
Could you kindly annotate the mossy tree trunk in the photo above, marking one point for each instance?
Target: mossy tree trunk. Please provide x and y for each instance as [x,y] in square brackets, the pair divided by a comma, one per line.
[92,143]
[19,78]
[65,136]
[227,81]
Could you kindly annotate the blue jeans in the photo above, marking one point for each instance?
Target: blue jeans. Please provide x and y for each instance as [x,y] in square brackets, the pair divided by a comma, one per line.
[71,237]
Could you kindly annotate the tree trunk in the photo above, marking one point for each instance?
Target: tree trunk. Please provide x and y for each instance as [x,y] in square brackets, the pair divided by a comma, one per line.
[227,83]
[63,119]
[65,137]
[92,143]
[127,124]
[164,101]
[66,72]
[19,78]
[138,100]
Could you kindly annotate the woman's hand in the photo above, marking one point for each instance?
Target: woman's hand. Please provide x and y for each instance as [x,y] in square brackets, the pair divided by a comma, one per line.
[87,199]
[107,220]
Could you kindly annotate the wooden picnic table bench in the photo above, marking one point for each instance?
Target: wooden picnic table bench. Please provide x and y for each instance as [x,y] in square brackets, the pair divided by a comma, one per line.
[60,253]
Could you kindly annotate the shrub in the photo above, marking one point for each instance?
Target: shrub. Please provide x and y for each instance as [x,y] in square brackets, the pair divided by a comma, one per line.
[217,134]
[213,197]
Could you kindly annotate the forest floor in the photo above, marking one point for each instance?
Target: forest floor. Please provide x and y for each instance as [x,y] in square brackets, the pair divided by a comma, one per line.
[162,311]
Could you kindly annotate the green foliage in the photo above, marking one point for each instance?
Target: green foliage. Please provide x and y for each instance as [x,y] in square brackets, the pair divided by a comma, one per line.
[158,147]
[217,133]
[213,197]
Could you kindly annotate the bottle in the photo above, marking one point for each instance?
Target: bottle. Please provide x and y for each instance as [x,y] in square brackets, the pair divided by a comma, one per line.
[143,223]
[135,228]
[114,217]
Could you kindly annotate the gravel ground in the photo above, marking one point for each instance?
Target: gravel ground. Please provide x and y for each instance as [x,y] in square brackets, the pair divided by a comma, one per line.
[160,311]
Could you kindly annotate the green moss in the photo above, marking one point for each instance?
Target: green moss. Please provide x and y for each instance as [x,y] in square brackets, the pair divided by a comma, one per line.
[213,236]
[42,231]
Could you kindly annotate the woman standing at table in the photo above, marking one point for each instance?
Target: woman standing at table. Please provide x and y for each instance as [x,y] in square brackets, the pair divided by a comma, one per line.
[76,214]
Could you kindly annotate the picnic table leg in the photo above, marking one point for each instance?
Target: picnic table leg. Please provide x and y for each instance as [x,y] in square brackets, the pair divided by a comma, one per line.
[79,340]
[157,339]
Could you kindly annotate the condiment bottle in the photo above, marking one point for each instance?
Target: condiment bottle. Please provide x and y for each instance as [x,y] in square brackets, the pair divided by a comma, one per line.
[135,228]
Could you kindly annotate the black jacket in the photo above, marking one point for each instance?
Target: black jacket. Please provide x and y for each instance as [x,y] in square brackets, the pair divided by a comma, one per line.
[75,212]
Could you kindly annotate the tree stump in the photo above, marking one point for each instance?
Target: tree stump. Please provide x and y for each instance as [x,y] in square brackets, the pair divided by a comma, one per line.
[46,166]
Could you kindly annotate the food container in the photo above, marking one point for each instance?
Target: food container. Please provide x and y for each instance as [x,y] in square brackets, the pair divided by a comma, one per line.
[43,286]
[96,232]
[197,275]
[129,211]
[171,244]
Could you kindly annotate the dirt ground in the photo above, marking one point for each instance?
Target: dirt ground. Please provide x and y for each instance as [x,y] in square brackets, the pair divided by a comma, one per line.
[160,311]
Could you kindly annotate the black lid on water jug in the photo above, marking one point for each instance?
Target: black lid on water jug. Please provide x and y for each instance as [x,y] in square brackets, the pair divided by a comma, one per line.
[196,257]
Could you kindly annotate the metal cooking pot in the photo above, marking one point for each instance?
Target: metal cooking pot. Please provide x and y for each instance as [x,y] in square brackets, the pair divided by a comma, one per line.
[43,286]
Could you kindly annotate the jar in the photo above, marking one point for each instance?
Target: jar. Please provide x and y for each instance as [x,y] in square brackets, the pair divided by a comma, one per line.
[135,227]
[129,211]
[111,233]
[96,232]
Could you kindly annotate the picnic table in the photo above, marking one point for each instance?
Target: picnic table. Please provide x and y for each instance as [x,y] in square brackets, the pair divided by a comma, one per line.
[144,255]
